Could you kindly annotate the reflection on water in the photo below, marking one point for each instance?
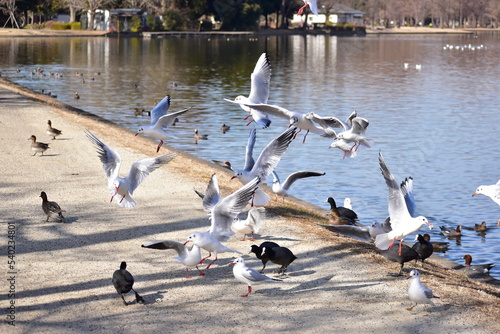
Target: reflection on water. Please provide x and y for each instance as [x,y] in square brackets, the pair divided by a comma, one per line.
[437,123]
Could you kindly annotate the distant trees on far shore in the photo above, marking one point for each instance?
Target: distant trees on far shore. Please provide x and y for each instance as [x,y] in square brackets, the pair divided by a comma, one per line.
[250,14]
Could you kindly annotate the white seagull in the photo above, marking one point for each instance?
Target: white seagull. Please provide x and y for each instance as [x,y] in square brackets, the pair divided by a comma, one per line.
[222,214]
[345,146]
[160,120]
[281,189]
[492,191]
[124,187]
[295,118]
[265,164]
[251,224]
[248,275]
[417,292]
[259,91]
[402,223]
[190,257]
[312,4]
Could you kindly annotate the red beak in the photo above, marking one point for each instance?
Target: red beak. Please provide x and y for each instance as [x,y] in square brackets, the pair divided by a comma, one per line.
[186,242]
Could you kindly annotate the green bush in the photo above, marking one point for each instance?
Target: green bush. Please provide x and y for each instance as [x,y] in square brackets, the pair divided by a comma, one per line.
[75,25]
[59,26]
[153,23]
[135,24]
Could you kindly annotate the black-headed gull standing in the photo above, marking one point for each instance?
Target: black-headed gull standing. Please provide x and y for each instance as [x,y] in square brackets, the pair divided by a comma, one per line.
[281,189]
[190,257]
[122,188]
[248,275]
[294,118]
[492,191]
[259,91]
[251,224]
[265,164]
[402,223]
[222,214]
[417,292]
[160,120]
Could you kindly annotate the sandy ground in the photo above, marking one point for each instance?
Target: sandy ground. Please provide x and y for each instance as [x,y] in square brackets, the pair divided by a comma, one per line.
[62,274]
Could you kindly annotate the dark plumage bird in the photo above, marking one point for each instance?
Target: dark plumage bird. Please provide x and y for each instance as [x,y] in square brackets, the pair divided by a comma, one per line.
[38,146]
[407,254]
[225,128]
[279,255]
[53,132]
[482,268]
[340,215]
[124,282]
[480,227]
[423,247]
[258,250]
[450,232]
[51,209]
[439,246]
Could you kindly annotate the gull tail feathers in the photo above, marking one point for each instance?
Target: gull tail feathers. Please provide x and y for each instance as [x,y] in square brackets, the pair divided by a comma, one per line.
[260,198]
[128,202]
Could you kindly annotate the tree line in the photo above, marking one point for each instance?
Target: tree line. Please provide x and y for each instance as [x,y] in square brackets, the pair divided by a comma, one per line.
[246,14]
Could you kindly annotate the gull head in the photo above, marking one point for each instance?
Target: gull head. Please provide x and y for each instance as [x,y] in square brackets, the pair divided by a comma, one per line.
[293,120]
[141,130]
[424,221]
[479,190]
[414,274]
[237,260]
[236,175]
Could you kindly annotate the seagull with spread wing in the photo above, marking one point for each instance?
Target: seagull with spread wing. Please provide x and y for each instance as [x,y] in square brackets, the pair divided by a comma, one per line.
[122,188]
[160,120]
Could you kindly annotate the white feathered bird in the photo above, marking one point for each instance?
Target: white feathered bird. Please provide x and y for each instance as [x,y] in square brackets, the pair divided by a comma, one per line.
[250,225]
[248,275]
[417,292]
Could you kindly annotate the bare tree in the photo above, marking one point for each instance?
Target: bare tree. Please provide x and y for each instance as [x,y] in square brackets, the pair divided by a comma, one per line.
[9,6]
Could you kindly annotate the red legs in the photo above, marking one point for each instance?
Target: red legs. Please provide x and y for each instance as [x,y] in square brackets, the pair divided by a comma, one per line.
[301,9]
[187,273]
[296,133]
[122,198]
[304,140]
[208,267]
[411,308]
[244,237]
[206,257]
[247,117]
[159,145]
[400,251]
[201,272]
[392,244]
[249,290]
[253,238]
[250,122]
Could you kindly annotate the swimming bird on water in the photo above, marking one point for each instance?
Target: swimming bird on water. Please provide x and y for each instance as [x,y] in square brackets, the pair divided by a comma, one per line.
[417,292]
[190,257]
[225,128]
[480,227]
[492,191]
[124,187]
[123,281]
[451,232]
[160,120]
[53,132]
[248,275]
[482,268]
[402,223]
[198,136]
[51,209]
[38,146]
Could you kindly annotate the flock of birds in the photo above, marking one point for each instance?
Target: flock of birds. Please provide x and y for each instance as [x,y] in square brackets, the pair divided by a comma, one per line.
[224,212]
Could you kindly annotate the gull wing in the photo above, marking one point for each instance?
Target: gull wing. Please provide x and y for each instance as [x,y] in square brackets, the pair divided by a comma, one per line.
[407,189]
[212,195]
[272,110]
[272,153]
[261,79]
[359,125]
[249,161]
[224,212]
[397,205]
[325,122]
[167,120]
[160,109]
[141,169]
[298,175]
[111,161]
[167,244]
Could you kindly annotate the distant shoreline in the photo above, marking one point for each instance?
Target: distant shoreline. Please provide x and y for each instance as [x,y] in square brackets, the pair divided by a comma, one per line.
[12,32]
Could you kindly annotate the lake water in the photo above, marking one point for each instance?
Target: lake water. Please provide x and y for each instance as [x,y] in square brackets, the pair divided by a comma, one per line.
[438,124]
